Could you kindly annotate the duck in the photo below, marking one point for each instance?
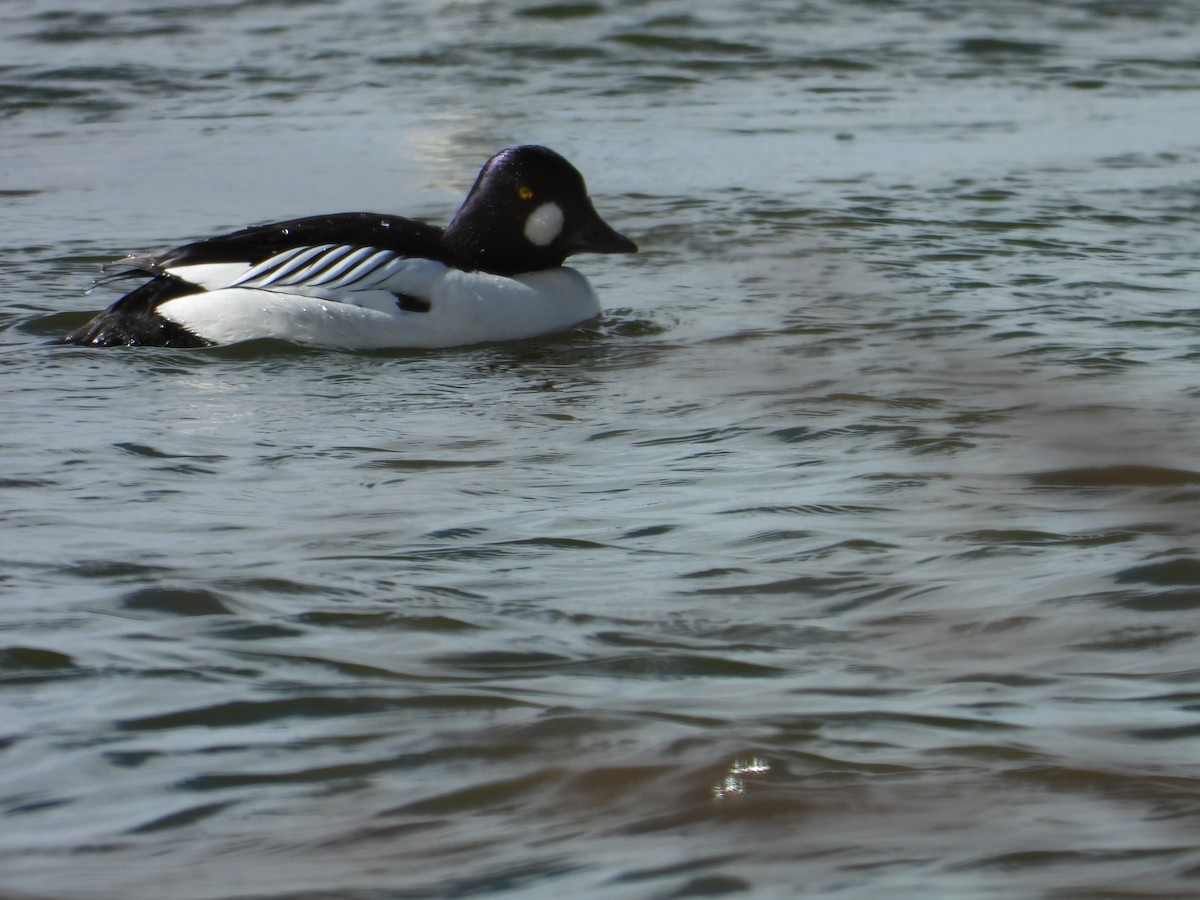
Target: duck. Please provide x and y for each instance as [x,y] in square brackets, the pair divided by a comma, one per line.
[362,280]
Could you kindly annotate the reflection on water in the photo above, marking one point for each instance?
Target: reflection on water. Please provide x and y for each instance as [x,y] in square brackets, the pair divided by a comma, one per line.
[851,552]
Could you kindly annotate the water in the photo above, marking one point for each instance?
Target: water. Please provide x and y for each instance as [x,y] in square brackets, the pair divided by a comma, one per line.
[852,553]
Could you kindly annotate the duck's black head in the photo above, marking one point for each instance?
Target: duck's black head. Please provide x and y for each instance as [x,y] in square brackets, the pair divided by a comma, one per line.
[529,210]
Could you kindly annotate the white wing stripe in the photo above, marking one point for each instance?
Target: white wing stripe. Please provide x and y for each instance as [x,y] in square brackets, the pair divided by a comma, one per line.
[312,272]
[329,266]
[350,267]
[334,271]
[376,268]
[280,266]
[279,269]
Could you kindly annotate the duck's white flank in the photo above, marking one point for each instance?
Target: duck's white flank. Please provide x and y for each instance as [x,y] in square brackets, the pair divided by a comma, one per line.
[464,308]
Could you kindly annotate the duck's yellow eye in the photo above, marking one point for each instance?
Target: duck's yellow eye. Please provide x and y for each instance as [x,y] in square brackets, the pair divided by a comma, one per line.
[525,192]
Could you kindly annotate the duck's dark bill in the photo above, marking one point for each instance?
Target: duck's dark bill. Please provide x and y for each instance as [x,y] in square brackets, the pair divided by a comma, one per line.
[597,236]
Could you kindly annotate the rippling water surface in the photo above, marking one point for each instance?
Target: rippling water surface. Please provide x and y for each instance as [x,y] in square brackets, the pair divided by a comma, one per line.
[853,552]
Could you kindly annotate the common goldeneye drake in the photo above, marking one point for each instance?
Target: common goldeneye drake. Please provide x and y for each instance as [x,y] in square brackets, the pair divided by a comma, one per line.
[363,280]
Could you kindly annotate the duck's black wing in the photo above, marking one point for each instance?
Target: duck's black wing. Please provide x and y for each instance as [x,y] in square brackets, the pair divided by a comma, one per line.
[253,245]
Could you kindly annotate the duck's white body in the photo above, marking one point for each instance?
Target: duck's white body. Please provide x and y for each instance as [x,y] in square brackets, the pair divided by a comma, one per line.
[464,308]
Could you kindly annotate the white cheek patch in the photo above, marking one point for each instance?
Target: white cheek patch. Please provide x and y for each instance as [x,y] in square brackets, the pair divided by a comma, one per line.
[544,224]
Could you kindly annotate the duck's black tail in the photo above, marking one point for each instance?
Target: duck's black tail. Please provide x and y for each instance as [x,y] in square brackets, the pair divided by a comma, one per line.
[133,321]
